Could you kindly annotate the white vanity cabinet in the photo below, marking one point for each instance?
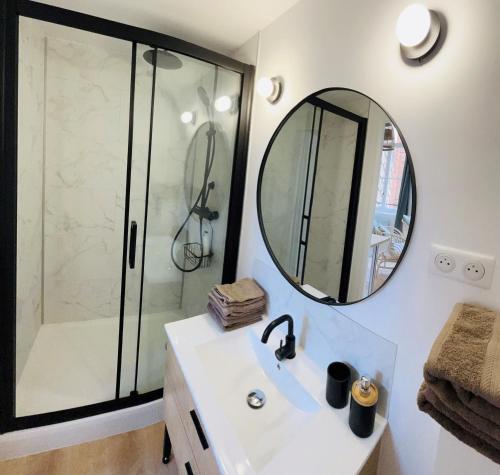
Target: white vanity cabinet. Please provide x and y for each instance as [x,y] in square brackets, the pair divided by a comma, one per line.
[190,446]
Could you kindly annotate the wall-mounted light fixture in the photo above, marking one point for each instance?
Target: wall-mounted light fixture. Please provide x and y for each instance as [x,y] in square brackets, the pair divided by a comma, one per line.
[223,103]
[188,117]
[270,88]
[417,30]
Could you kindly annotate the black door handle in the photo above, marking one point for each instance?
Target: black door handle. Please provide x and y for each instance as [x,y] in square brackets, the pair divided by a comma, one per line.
[133,241]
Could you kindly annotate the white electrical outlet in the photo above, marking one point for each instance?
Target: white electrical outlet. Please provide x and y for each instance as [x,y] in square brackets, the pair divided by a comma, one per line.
[445,262]
[469,267]
[474,271]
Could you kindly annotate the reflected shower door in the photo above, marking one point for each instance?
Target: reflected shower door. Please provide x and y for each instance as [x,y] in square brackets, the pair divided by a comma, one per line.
[185,123]
[73,122]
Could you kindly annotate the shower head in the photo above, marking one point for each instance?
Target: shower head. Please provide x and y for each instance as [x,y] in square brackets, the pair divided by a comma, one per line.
[202,94]
[164,59]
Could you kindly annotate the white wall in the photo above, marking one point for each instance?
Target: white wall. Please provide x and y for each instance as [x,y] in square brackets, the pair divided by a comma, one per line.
[448,111]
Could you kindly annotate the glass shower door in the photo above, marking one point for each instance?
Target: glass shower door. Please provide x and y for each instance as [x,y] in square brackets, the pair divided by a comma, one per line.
[188,158]
[73,121]
[125,163]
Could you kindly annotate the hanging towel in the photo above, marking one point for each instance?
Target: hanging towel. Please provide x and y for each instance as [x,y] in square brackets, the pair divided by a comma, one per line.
[461,388]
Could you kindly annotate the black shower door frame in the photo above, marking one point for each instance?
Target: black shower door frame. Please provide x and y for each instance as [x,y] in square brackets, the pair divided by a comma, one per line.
[10,12]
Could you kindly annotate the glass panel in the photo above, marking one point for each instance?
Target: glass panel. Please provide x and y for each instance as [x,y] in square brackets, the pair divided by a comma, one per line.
[332,192]
[196,113]
[284,189]
[74,90]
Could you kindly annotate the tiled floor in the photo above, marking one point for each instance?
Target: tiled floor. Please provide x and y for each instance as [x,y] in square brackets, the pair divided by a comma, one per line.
[133,453]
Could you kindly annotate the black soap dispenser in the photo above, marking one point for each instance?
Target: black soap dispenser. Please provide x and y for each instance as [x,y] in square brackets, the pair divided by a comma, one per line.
[364,397]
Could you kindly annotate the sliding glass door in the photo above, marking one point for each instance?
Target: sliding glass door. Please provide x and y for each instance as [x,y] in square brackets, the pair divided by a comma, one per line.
[186,114]
[129,190]
[73,126]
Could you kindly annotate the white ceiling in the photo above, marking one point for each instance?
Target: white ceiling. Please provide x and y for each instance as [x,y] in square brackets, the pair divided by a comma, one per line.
[220,25]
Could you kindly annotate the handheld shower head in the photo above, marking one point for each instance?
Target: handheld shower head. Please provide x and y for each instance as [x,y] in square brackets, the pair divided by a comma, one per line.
[202,94]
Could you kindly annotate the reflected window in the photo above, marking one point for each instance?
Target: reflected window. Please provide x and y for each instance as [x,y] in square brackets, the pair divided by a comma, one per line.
[391,176]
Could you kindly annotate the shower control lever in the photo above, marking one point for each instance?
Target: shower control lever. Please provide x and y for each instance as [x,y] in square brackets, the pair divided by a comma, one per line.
[133,241]
[206,213]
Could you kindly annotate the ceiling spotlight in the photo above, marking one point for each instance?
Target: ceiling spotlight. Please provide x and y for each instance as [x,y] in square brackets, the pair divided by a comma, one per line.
[417,30]
[270,88]
[188,117]
[223,103]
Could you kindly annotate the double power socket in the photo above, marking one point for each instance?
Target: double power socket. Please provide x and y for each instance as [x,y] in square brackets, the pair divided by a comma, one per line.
[469,267]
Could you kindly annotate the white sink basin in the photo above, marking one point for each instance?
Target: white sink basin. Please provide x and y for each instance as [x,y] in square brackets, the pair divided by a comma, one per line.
[296,432]
[238,363]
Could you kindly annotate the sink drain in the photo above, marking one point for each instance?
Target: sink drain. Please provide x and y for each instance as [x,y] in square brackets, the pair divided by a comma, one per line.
[256,399]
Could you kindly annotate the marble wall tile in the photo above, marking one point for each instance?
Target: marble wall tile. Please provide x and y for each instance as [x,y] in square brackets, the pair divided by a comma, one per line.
[77,162]
[76,300]
[325,248]
[87,84]
[84,115]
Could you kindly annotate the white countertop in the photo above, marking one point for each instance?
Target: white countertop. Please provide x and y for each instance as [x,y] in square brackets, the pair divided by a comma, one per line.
[323,445]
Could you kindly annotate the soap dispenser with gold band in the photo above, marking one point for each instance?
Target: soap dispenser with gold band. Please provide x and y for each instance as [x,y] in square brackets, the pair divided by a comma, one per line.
[364,397]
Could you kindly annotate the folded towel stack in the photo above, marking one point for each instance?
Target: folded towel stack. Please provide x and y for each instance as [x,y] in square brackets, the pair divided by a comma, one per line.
[461,390]
[236,305]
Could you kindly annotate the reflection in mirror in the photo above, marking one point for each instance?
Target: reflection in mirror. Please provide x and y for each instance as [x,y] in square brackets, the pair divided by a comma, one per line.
[336,196]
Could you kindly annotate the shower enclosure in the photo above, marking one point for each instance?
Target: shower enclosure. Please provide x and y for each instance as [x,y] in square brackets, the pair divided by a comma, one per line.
[121,189]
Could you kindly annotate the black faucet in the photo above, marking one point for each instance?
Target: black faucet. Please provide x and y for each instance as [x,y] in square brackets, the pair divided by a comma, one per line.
[287,351]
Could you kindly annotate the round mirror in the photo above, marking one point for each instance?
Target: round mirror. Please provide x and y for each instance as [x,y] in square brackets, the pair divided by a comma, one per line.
[336,196]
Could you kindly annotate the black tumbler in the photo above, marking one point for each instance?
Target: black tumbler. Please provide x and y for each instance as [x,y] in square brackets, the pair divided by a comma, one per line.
[337,384]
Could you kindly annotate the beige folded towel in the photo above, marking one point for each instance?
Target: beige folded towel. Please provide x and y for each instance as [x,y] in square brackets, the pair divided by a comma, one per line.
[237,311]
[236,305]
[462,378]
[242,292]
[232,324]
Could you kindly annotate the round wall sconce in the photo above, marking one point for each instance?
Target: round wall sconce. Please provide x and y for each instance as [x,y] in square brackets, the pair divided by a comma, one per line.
[188,117]
[270,88]
[418,30]
[223,103]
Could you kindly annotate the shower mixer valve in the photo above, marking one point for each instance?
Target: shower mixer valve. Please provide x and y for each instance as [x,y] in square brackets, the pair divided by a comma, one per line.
[205,213]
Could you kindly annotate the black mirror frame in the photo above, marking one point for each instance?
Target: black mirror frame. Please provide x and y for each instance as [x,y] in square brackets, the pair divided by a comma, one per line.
[328,301]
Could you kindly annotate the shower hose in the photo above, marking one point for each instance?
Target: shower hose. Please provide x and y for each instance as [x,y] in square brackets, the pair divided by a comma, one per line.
[200,202]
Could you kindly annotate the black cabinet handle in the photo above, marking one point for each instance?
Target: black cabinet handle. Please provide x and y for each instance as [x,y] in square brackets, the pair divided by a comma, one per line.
[199,430]
[133,241]
[189,470]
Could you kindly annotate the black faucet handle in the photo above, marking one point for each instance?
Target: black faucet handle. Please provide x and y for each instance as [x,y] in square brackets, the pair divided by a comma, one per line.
[279,352]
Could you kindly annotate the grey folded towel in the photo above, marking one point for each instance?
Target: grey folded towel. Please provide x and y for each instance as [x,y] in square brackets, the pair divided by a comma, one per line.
[461,390]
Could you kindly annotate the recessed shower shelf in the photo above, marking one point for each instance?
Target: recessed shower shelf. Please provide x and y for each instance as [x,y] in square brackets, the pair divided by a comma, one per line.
[192,253]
